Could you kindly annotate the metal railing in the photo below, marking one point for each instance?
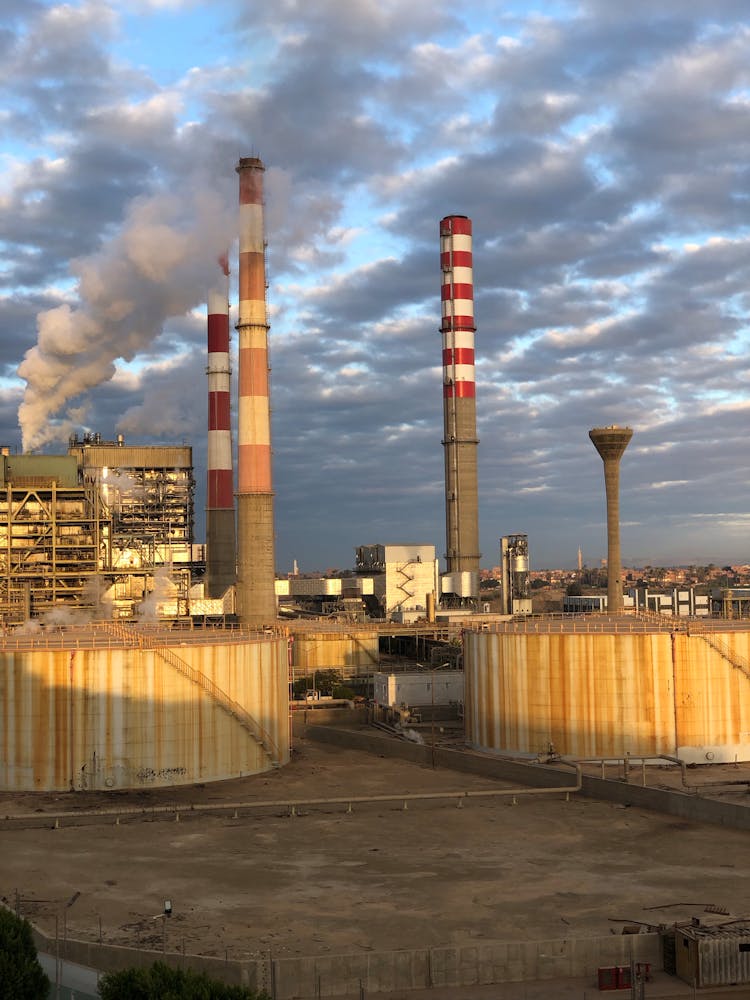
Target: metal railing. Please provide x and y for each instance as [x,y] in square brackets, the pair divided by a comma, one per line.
[734,659]
[114,635]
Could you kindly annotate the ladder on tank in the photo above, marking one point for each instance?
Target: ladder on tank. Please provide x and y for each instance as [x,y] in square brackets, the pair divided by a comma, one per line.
[233,708]
[737,661]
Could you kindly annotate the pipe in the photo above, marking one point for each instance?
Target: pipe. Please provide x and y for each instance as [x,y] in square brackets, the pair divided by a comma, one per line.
[662,756]
[292,804]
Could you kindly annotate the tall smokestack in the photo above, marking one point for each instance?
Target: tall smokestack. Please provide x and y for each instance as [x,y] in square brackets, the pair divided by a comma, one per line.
[256,597]
[220,531]
[459,410]
[611,443]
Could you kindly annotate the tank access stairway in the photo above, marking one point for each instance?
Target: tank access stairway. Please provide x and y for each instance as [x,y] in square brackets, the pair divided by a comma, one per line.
[737,661]
[197,677]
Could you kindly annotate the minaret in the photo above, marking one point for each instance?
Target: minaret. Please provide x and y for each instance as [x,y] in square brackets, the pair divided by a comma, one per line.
[459,409]
[256,595]
[221,546]
[611,443]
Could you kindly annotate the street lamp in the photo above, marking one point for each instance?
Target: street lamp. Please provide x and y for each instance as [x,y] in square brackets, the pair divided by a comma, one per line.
[64,907]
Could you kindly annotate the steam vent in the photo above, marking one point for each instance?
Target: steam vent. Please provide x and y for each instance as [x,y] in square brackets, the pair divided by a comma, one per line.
[611,443]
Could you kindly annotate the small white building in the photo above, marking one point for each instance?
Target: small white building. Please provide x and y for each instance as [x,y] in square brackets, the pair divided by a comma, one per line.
[418,688]
[403,576]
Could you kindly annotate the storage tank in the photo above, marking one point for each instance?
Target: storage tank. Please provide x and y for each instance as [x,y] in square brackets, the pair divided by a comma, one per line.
[593,688]
[114,708]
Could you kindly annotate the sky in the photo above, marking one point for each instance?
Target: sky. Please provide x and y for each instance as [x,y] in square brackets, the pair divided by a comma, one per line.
[601,150]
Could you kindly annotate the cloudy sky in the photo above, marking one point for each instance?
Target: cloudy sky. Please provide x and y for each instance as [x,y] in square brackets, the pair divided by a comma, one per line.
[601,149]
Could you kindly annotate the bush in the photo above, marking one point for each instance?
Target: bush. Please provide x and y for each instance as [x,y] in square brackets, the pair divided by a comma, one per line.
[160,982]
[21,975]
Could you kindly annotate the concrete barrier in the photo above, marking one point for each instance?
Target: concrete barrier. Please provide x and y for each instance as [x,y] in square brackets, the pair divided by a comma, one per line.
[685,804]
[484,963]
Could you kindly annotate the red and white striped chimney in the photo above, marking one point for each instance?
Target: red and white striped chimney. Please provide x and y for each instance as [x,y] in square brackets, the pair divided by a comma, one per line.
[220,529]
[256,595]
[461,584]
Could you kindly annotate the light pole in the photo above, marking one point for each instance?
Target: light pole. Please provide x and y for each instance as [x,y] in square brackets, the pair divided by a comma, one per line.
[58,963]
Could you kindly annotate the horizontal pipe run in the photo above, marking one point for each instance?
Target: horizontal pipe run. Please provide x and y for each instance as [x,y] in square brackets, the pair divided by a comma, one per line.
[290,804]
[662,756]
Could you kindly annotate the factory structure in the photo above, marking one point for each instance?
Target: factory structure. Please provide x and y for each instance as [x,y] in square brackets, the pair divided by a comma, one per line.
[106,532]
[90,530]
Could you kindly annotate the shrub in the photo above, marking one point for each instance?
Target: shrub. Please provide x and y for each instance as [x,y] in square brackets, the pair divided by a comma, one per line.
[21,975]
[160,982]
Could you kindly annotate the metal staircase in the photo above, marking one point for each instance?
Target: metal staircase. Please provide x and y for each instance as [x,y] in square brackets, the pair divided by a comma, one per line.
[408,577]
[737,661]
[231,707]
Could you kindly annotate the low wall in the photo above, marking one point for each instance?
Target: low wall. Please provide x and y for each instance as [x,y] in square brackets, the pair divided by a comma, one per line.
[386,972]
[686,805]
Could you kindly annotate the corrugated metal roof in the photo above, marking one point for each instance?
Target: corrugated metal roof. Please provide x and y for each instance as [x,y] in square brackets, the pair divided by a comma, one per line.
[136,456]
[718,931]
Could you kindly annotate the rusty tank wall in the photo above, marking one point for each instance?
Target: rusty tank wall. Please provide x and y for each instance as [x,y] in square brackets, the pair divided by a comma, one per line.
[712,696]
[351,652]
[597,695]
[114,718]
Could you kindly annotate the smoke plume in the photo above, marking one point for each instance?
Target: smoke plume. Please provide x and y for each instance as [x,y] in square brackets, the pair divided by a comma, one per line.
[158,266]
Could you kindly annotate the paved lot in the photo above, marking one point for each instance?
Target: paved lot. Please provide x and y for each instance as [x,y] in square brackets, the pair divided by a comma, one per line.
[327,881]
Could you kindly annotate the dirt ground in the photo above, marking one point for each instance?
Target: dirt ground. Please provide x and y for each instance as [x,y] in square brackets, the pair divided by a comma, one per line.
[381,877]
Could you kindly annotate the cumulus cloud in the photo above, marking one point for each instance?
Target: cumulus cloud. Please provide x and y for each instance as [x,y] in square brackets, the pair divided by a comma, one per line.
[601,151]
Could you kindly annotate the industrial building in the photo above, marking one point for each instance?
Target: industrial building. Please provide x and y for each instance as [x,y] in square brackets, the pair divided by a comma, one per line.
[681,601]
[717,955]
[91,529]
[149,490]
[349,598]
[515,592]
[406,578]
[55,537]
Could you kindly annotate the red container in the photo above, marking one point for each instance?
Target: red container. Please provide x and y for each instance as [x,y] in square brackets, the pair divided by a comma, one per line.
[624,977]
[608,977]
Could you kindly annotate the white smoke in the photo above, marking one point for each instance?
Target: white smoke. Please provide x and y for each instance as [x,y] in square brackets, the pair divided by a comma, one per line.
[158,266]
[163,589]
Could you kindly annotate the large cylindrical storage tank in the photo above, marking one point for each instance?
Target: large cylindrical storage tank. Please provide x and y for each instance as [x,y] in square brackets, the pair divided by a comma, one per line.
[609,694]
[350,652]
[129,716]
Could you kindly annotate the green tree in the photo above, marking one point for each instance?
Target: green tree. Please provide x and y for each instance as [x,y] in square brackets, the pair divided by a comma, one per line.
[160,982]
[21,975]
[343,691]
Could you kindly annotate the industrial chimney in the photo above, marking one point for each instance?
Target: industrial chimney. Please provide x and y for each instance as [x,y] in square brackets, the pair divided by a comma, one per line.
[611,443]
[256,596]
[461,582]
[221,548]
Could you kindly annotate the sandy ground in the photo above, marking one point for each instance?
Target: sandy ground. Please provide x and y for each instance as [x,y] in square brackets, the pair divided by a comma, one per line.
[326,881]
